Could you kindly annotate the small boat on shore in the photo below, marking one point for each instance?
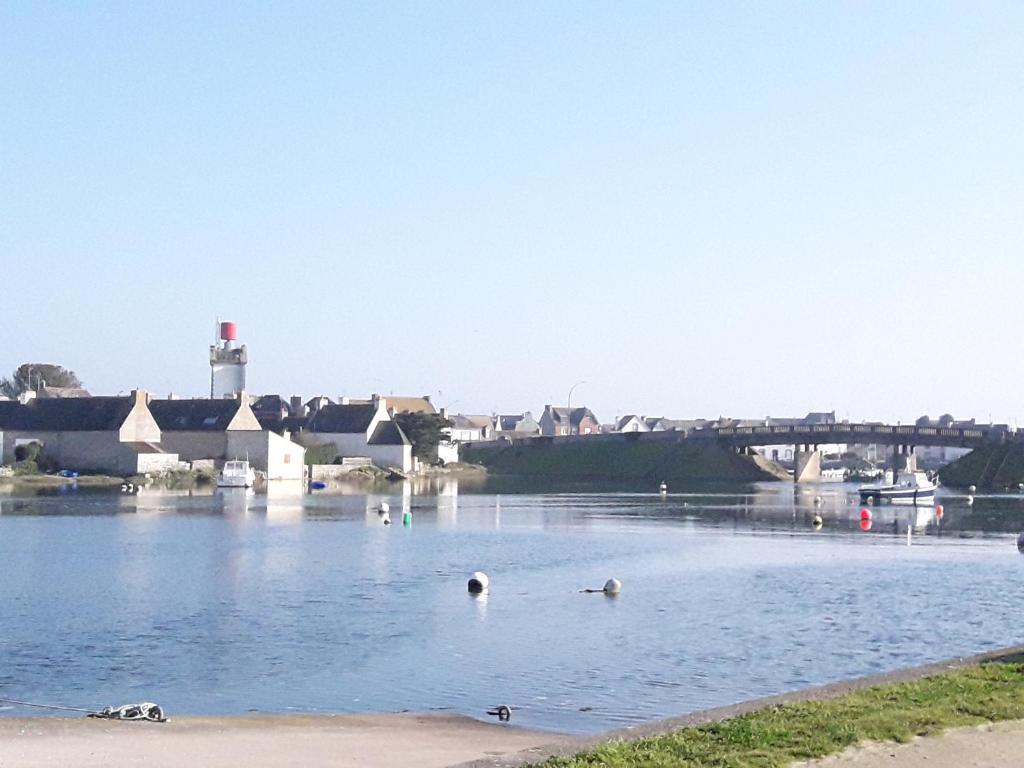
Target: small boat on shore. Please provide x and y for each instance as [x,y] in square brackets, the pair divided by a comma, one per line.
[236,474]
[916,488]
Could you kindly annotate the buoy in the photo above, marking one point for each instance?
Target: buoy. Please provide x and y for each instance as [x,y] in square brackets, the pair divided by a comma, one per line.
[1020,543]
[817,522]
[939,511]
[383,509]
[865,524]
[663,488]
[818,501]
[972,488]
[865,514]
[316,485]
[612,587]
[407,519]
[478,582]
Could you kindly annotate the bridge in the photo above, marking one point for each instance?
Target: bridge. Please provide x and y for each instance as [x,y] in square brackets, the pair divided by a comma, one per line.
[808,437]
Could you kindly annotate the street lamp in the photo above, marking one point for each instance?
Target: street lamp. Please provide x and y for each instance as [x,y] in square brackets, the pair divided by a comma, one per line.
[568,404]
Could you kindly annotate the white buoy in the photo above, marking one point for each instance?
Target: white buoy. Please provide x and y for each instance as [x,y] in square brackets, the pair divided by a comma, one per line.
[817,522]
[972,488]
[818,501]
[383,509]
[663,488]
[612,587]
[478,582]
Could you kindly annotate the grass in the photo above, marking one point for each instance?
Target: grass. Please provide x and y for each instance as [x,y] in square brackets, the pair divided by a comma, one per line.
[777,736]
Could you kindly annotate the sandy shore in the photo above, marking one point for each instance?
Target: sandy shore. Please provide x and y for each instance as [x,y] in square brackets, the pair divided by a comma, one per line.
[260,741]
[1000,745]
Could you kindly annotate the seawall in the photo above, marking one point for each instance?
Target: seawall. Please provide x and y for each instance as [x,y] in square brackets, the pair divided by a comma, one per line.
[648,457]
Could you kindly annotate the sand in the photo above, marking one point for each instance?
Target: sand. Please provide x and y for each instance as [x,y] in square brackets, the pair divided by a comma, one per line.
[1000,745]
[260,741]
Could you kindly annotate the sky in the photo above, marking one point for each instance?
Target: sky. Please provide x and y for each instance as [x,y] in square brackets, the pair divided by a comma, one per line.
[697,209]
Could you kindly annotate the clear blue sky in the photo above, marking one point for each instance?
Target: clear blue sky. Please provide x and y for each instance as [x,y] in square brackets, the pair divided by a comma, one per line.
[698,208]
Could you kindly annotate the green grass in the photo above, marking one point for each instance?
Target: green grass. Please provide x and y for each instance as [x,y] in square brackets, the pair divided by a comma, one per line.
[777,736]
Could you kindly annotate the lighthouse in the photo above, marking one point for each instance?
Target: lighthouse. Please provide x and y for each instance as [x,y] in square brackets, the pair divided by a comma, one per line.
[227,364]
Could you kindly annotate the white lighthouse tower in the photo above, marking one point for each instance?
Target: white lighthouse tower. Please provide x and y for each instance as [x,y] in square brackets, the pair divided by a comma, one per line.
[227,364]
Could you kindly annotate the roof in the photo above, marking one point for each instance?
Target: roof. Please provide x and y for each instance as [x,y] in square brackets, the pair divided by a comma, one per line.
[628,418]
[342,418]
[194,415]
[464,421]
[46,391]
[73,414]
[388,433]
[558,414]
[409,404]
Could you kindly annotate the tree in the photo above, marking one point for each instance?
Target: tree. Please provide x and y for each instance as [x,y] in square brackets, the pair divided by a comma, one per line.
[33,375]
[425,431]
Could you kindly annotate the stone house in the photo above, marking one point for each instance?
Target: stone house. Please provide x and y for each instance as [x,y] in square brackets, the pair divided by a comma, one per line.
[360,430]
[560,421]
[225,429]
[113,435]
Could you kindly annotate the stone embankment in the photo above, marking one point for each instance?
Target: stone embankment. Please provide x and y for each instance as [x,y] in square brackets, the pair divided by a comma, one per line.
[650,458]
[990,467]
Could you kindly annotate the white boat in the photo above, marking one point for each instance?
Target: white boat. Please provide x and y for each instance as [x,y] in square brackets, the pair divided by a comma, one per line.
[236,474]
[913,488]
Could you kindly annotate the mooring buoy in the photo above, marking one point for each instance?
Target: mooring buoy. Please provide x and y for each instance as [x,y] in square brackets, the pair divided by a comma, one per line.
[478,582]
[612,587]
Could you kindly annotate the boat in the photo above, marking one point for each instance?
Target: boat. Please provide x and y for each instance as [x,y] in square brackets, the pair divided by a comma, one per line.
[236,474]
[913,488]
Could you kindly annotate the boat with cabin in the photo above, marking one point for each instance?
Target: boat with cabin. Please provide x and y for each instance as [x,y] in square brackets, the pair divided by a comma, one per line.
[236,474]
[911,488]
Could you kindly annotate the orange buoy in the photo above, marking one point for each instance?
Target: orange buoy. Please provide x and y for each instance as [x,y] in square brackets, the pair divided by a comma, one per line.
[938,511]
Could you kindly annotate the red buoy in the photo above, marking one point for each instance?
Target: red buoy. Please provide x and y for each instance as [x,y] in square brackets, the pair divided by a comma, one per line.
[865,524]
[938,511]
[865,514]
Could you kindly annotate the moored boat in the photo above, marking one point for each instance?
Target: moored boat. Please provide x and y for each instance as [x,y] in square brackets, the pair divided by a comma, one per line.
[913,488]
[236,474]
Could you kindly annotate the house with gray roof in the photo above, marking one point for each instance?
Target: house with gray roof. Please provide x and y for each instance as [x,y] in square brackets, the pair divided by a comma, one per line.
[112,435]
[516,425]
[357,430]
[562,421]
[224,429]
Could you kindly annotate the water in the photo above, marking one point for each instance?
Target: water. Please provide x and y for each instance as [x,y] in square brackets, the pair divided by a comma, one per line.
[230,603]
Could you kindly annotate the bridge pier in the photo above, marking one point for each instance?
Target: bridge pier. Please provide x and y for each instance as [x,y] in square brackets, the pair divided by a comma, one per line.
[807,464]
[904,460]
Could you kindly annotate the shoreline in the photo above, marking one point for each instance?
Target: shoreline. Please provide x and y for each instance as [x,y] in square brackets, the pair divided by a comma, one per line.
[385,740]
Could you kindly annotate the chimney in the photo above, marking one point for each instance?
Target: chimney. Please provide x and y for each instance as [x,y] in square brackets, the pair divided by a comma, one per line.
[295,405]
[140,397]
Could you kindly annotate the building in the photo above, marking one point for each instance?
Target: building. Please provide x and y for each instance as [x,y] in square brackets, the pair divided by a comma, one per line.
[227,364]
[112,435]
[516,425]
[360,430]
[222,430]
[560,421]
[467,428]
[631,423]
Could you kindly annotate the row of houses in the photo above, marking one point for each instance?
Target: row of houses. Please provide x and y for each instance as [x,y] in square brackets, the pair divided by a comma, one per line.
[139,434]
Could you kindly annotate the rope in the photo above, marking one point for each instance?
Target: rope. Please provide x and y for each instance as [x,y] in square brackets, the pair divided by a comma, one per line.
[44,706]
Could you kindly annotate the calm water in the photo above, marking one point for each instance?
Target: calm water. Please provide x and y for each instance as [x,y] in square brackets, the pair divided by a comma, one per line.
[229,603]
